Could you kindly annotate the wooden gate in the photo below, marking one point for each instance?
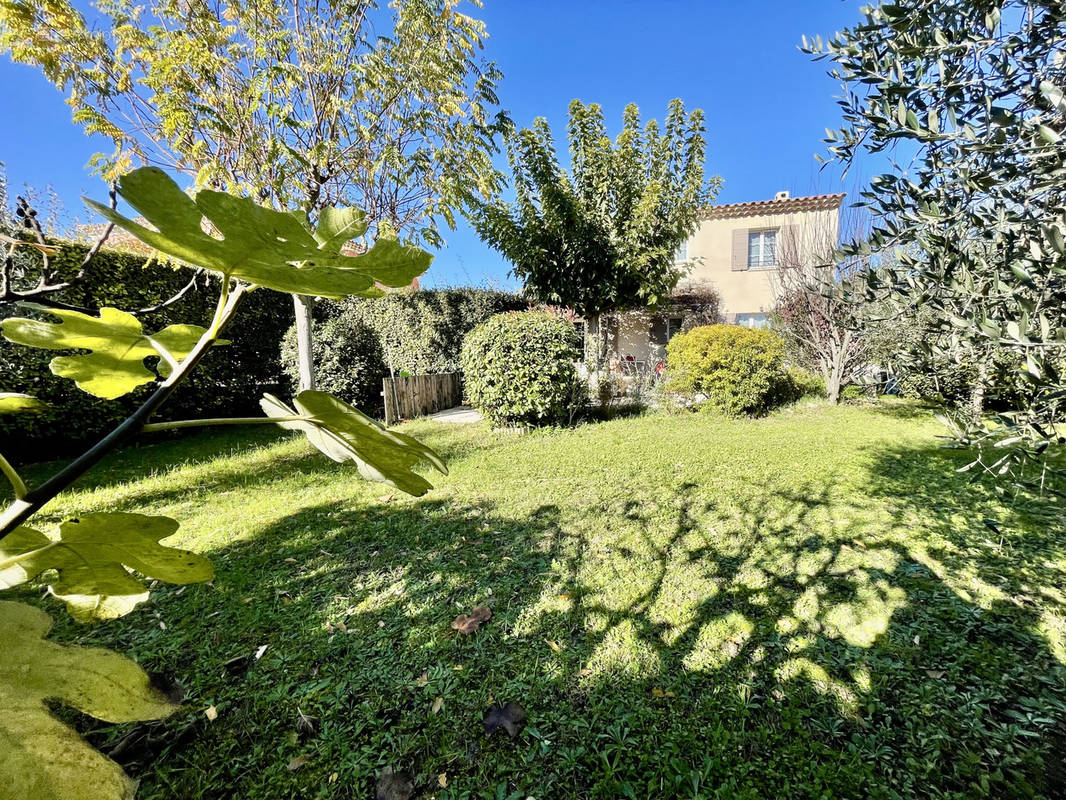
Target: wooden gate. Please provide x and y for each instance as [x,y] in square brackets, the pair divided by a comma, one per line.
[418,395]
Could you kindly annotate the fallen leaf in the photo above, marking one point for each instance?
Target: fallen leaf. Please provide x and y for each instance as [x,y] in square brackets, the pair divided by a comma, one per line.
[298,762]
[393,785]
[509,717]
[658,693]
[423,679]
[935,673]
[291,560]
[259,653]
[917,639]
[442,780]
[436,705]
[211,713]
[469,623]
[555,646]
[333,777]
[305,724]
[341,627]
[581,673]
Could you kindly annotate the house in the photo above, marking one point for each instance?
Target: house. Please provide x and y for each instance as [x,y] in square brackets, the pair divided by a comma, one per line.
[737,251]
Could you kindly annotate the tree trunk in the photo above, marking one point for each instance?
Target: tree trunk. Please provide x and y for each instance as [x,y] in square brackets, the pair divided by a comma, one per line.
[304,328]
[977,391]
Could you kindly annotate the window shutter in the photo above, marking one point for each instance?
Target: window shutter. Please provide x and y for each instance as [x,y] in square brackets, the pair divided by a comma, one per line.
[789,250]
[740,249]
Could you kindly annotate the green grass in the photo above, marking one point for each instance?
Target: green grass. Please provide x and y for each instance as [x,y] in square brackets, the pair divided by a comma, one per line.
[813,604]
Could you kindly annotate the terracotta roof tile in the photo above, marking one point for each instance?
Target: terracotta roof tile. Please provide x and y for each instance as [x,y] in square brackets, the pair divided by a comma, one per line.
[818,202]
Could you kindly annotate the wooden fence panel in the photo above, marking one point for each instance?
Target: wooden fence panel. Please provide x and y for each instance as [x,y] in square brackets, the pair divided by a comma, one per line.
[418,395]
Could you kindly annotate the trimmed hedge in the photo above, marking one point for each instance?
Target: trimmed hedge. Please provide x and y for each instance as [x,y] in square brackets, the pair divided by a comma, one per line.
[421,332]
[736,370]
[229,380]
[521,368]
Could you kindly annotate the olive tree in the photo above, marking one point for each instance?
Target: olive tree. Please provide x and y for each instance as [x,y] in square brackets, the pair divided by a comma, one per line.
[973,92]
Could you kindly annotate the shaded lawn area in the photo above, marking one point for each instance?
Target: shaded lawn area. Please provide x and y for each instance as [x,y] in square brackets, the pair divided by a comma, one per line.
[809,605]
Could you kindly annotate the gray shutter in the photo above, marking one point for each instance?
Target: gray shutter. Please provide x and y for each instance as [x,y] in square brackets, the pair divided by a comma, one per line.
[789,250]
[740,249]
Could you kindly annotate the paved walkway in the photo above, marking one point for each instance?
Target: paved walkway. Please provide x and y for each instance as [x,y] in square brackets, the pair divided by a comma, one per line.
[459,414]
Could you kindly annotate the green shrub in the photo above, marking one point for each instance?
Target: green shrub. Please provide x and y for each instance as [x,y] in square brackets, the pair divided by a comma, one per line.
[348,359]
[735,370]
[520,368]
[229,381]
[803,383]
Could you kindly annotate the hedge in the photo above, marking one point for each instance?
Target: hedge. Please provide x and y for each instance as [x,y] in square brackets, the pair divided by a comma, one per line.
[228,381]
[418,332]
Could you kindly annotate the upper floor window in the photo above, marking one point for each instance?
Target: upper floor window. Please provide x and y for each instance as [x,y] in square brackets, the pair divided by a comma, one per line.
[762,249]
[681,254]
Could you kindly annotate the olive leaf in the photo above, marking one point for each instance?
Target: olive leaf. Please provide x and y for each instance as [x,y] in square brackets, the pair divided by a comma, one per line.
[90,557]
[42,758]
[118,345]
[260,245]
[346,434]
[14,403]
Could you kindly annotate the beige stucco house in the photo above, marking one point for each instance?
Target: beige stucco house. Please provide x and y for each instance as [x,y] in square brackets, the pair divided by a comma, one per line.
[737,250]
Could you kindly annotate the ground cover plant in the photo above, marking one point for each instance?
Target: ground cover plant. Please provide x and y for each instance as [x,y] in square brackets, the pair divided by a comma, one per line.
[809,604]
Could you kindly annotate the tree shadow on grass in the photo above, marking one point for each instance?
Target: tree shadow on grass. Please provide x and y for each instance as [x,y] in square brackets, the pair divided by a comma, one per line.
[789,640]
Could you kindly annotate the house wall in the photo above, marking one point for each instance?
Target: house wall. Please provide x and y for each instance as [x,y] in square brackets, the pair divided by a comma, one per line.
[750,291]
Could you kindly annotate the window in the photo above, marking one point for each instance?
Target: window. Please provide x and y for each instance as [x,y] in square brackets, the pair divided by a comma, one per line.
[673,327]
[752,320]
[762,249]
[682,252]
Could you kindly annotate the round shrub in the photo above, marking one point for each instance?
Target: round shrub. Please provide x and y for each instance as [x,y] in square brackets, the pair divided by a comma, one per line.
[348,359]
[728,368]
[520,368]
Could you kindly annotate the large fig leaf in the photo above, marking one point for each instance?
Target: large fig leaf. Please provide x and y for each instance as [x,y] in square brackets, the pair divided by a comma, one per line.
[15,403]
[118,345]
[40,757]
[346,434]
[260,245]
[90,557]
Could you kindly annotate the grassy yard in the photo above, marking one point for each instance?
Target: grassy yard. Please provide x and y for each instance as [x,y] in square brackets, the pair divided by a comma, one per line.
[809,605]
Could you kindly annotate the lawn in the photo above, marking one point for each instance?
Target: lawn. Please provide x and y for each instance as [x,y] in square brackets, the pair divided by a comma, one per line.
[814,604]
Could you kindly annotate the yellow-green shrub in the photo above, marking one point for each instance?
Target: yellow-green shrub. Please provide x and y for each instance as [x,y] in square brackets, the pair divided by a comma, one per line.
[737,370]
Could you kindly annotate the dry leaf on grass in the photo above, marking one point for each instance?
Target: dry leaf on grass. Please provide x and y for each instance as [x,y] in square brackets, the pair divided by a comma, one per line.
[211,713]
[436,705]
[468,623]
[510,717]
[393,785]
[298,762]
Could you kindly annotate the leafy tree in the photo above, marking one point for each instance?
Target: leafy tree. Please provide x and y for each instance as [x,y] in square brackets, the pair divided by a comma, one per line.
[975,90]
[296,102]
[602,237]
[87,562]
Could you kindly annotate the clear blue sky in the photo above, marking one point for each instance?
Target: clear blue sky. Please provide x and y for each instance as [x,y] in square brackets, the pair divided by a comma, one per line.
[767,104]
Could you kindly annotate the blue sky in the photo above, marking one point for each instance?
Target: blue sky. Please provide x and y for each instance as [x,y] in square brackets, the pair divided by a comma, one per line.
[767,104]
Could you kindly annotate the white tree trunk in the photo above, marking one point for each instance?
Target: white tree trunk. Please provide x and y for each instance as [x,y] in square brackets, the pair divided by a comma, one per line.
[304,330]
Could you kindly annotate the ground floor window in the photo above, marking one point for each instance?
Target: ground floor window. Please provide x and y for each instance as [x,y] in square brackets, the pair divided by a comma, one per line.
[673,327]
[752,320]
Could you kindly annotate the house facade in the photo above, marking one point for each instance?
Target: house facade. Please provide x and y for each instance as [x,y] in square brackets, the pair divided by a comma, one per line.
[737,251]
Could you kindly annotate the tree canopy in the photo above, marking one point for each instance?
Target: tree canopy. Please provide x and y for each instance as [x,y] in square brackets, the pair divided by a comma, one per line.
[975,224]
[603,236]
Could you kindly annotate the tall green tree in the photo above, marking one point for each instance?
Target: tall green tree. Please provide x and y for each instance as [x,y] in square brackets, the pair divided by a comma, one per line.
[973,92]
[301,103]
[603,236]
